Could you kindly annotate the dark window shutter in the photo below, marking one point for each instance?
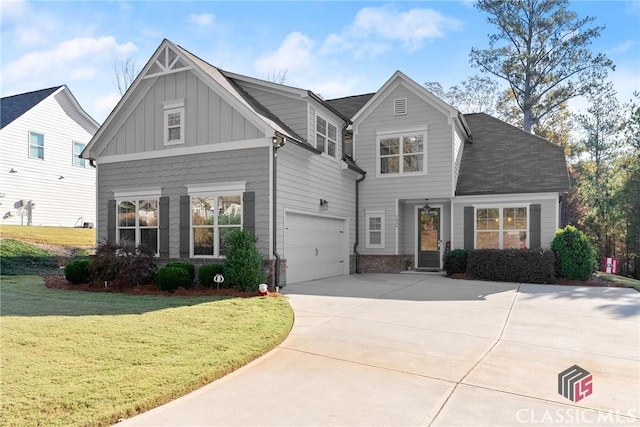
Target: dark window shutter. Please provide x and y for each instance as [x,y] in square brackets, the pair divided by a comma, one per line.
[249,211]
[111,221]
[468,227]
[535,227]
[185,232]
[164,227]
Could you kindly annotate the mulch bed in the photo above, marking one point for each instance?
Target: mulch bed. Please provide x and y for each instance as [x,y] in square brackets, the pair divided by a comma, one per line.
[59,282]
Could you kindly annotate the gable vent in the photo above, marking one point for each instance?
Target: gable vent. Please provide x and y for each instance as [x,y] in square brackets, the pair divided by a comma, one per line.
[399,106]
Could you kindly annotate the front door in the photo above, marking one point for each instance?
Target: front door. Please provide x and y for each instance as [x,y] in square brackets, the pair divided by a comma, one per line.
[429,238]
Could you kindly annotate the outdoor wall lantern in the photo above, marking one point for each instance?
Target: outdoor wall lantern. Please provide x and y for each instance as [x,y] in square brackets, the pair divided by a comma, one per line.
[13,171]
[324,204]
[426,207]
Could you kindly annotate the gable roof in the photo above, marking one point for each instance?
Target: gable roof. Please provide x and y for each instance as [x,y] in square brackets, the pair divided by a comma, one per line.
[504,159]
[12,107]
[350,105]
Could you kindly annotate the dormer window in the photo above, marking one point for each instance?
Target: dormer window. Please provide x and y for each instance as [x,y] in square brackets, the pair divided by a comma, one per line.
[174,122]
[326,136]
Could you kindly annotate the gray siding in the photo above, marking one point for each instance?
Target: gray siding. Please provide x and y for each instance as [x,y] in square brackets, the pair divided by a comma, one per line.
[173,173]
[209,119]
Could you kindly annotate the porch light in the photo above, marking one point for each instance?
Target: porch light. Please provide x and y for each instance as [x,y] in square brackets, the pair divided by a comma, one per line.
[426,206]
[13,171]
[324,204]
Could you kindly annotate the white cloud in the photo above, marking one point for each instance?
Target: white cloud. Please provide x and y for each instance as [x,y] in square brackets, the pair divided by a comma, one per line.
[103,105]
[13,9]
[204,19]
[295,53]
[622,47]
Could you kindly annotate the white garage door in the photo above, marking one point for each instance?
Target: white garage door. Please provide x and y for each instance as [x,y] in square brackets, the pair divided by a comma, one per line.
[315,247]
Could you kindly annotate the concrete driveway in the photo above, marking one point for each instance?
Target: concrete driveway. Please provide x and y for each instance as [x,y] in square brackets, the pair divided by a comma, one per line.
[424,350]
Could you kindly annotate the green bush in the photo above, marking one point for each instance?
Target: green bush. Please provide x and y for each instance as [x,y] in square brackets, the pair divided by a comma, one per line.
[189,267]
[243,263]
[575,255]
[455,261]
[171,278]
[77,271]
[512,265]
[122,266]
[207,272]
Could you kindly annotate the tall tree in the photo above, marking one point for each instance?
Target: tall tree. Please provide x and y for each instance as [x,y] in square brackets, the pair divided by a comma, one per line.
[541,50]
[477,94]
[125,73]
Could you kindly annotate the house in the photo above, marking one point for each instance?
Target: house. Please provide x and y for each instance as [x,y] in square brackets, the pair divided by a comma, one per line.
[44,180]
[362,183]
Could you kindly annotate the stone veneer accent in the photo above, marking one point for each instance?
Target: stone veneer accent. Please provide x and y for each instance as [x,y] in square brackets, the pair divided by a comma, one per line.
[383,263]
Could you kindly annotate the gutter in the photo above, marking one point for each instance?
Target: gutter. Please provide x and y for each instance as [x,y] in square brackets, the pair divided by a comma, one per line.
[357,242]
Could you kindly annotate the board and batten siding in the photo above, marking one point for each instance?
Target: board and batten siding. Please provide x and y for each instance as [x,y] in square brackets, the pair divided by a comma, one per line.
[381,192]
[60,202]
[549,213]
[172,174]
[209,119]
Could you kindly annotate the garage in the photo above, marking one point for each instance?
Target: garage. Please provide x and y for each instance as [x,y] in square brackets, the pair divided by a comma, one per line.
[315,247]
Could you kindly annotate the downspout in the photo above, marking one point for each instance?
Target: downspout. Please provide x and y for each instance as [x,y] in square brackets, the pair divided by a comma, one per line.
[277,143]
[355,245]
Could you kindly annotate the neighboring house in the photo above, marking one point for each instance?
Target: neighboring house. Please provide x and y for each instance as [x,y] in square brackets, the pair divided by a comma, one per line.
[192,152]
[44,180]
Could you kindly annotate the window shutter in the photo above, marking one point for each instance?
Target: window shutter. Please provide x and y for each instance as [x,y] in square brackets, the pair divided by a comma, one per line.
[400,106]
[111,221]
[164,227]
[535,227]
[468,228]
[185,232]
[249,211]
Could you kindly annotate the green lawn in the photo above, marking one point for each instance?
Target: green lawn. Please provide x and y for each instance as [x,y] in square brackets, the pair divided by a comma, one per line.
[622,281]
[87,359]
[63,236]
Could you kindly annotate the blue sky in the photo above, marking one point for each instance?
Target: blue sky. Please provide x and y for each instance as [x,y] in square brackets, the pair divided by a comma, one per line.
[334,48]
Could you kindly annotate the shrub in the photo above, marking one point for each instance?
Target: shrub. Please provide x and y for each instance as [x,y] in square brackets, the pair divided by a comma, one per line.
[190,268]
[575,255]
[123,266]
[207,272]
[243,263]
[455,261]
[512,265]
[171,278]
[77,271]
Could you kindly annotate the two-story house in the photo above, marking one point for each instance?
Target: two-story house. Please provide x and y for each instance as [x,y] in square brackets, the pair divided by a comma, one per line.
[44,180]
[362,183]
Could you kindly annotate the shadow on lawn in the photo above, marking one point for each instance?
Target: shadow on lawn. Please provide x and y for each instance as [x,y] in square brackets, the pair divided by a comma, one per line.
[28,296]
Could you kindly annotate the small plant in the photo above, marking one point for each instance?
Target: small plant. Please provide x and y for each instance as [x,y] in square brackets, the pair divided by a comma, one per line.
[408,263]
[169,279]
[455,262]
[189,267]
[243,263]
[77,271]
[123,266]
[575,255]
[207,272]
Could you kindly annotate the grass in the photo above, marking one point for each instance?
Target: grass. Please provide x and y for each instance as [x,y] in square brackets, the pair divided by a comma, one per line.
[88,359]
[63,236]
[17,257]
[626,282]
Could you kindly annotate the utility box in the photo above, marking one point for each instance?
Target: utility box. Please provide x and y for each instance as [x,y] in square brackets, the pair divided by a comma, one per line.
[610,265]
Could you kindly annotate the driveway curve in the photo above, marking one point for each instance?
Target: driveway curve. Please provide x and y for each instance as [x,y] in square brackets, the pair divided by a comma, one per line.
[425,350]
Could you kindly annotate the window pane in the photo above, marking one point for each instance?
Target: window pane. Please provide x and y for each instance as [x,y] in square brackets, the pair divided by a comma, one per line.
[203,241]
[413,163]
[173,119]
[149,238]
[487,219]
[174,134]
[389,165]
[202,210]
[77,150]
[331,131]
[375,237]
[412,144]
[375,223]
[148,213]
[488,240]
[126,214]
[36,145]
[321,125]
[331,149]
[389,146]
[320,142]
[127,237]
[224,233]
[514,240]
[230,210]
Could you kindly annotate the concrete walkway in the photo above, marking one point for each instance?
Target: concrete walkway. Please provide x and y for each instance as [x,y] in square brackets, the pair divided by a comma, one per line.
[424,350]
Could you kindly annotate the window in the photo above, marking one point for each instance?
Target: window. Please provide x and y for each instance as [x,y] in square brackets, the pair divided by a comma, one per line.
[77,150]
[137,222]
[375,228]
[174,122]
[502,228]
[326,136]
[36,145]
[401,154]
[213,217]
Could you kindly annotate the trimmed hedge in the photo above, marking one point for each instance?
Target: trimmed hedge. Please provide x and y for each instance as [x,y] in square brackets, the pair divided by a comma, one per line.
[455,262]
[171,278]
[512,265]
[207,272]
[190,268]
[77,271]
[575,255]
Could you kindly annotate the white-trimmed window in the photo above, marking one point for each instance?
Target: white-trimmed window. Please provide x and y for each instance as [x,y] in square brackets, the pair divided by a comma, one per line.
[502,227]
[174,122]
[215,212]
[137,221]
[375,228]
[36,145]
[323,133]
[402,153]
[77,150]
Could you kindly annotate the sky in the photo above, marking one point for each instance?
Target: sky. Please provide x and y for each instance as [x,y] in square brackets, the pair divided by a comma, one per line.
[333,48]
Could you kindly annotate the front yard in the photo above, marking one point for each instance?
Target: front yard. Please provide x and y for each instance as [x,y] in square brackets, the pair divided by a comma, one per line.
[91,358]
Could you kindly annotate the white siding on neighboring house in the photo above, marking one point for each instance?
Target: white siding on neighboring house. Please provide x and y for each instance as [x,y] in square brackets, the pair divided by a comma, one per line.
[64,194]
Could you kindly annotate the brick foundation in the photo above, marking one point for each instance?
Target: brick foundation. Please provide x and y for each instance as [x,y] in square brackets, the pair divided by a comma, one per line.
[382,263]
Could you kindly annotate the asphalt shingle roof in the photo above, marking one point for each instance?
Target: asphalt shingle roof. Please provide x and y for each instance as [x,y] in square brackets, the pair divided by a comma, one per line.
[12,107]
[349,105]
[503,159]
